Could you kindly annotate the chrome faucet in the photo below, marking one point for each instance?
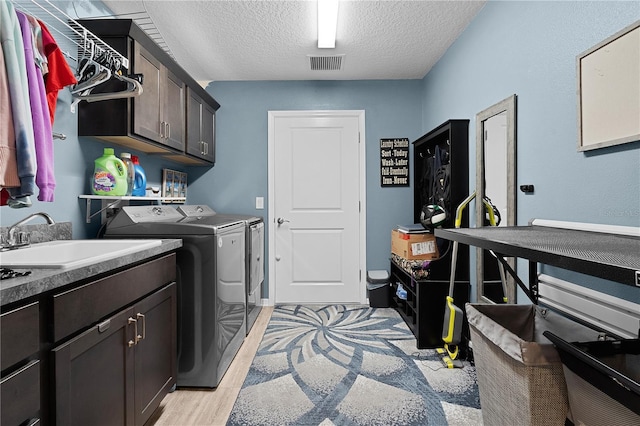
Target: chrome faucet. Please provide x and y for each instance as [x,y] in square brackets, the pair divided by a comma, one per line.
[23,238]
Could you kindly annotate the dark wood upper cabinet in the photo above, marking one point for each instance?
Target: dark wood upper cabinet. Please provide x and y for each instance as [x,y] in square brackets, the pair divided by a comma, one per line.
[160,120]
[158,113]
[200,127]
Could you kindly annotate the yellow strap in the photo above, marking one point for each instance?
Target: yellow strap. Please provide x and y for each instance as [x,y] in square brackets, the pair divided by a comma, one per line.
[453,354]
[448,362]
[461,207]
[450,321]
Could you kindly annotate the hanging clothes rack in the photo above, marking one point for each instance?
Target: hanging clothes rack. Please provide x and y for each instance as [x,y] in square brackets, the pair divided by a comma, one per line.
[73,32]
[146,23]
[96,62]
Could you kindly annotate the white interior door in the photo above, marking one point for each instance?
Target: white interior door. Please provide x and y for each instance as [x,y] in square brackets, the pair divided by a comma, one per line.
[316,190]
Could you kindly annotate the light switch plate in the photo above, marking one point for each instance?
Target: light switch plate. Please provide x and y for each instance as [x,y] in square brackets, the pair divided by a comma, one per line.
[259,203]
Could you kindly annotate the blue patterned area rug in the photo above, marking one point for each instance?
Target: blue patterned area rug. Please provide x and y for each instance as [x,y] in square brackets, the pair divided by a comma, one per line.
[351,365]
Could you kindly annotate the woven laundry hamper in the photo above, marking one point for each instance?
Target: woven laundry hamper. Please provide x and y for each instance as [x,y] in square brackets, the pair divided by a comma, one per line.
[520,374]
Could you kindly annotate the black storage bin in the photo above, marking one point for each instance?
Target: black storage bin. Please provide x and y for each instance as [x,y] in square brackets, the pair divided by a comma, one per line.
[603,380]
[378,289]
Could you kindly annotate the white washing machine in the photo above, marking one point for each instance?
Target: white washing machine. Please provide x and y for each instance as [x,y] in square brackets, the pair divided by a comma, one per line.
[211,285]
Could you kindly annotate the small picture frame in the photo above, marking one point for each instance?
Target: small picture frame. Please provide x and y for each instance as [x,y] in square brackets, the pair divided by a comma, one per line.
[174,185]
[183,186]
[167,182]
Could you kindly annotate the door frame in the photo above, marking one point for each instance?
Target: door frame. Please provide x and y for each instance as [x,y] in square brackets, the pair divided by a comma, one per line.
[360,114]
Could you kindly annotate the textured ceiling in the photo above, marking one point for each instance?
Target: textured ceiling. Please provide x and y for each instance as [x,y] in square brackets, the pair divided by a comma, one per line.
[272,39]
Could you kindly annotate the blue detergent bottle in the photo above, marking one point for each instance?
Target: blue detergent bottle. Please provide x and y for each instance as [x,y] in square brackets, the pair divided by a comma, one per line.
[140,179]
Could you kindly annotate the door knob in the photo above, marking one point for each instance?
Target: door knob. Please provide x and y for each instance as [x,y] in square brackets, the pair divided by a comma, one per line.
[282,220]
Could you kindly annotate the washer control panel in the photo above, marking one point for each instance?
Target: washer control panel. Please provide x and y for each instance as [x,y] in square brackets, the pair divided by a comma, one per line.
[196,210]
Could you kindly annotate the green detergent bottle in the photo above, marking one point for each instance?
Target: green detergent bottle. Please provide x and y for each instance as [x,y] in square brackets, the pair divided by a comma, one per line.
[109,175]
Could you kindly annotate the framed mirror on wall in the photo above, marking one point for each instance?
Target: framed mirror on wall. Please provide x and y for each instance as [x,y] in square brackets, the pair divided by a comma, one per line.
[496,189]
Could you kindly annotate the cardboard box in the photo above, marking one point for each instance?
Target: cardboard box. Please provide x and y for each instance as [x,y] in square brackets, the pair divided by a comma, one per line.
[414,246]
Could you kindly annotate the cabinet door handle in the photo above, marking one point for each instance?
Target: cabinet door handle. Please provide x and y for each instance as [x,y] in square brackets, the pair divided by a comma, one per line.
[142,318]
[133,342]
[104,326]
[165,130]
[168,131]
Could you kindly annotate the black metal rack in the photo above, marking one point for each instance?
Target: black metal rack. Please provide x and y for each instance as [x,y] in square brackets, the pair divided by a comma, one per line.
[590,362]
[610,256]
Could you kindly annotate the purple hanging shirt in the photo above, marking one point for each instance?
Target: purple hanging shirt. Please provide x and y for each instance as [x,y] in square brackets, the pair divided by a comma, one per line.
[45,179]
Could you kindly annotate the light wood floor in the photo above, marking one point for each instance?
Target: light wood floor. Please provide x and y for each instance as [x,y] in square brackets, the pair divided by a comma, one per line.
[186,407]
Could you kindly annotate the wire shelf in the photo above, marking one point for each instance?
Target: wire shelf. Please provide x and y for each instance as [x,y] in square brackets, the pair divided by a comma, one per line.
[72,33]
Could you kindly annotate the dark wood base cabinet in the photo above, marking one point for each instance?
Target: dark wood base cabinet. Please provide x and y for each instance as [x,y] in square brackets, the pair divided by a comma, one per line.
[101,351]
[423,310]
[20,383]
[117,372]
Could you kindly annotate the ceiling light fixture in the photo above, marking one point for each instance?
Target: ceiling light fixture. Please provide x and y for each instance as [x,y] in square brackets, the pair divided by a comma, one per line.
[327,23]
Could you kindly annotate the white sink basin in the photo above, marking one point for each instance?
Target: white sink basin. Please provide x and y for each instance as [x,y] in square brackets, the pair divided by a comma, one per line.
[64,254]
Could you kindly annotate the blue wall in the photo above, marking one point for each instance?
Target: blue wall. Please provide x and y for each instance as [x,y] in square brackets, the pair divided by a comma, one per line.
[530,49]
[392,109]
[526,48]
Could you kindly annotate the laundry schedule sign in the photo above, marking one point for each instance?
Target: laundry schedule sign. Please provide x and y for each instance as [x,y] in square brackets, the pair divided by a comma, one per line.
[394,162]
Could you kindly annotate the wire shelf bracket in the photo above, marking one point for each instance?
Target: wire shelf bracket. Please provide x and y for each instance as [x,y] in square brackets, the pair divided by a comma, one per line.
[67,27]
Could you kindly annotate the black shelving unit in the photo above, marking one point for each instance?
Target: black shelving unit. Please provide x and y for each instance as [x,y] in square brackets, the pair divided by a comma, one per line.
[451,138]
[610,256]
[423,310]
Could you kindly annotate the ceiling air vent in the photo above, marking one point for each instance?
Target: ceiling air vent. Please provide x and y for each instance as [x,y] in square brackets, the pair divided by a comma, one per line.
[326,63]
